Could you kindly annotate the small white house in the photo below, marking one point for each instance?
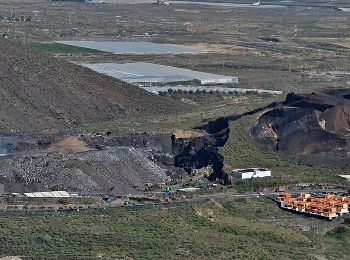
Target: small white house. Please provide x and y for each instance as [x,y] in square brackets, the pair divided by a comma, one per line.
[251,173]
[190,189]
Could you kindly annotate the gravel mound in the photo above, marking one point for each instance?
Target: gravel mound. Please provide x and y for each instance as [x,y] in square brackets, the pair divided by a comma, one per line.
[103,170]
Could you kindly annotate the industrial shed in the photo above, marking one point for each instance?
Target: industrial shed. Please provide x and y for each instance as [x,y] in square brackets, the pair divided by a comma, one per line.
[251,173]
[50,194]
[218,79]
[142,72]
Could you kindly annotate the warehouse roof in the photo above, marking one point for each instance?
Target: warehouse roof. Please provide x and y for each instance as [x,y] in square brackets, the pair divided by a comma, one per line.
[50,194]
[149,72]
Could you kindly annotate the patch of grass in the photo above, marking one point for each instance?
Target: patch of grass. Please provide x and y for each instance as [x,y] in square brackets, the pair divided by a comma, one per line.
[205,107]
[58,48]
[205,230]
[175,83]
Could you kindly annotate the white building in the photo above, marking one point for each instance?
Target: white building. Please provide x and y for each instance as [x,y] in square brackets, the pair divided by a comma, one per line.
[251,173]
[190,189]
[142,72]
[47,194]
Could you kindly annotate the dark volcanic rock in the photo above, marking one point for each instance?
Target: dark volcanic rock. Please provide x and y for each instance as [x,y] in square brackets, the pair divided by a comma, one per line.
[309,125]
[202,151]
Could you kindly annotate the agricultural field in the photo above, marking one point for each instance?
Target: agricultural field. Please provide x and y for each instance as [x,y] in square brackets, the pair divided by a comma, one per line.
[303,47]
[58,48]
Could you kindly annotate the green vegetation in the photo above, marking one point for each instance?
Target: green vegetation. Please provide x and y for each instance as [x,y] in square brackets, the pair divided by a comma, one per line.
[175,83]
[58,48]
[239,229]
[204,107]
[16,202]
[241,151]
[141,124]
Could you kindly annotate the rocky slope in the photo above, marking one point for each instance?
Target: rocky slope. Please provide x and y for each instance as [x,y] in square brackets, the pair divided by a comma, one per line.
[106,162]
[115,164]
[315,125]
[97,171]
[41,92]
[200,151]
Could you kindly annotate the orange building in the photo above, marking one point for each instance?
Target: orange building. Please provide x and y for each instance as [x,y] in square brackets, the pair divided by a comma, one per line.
[328,205]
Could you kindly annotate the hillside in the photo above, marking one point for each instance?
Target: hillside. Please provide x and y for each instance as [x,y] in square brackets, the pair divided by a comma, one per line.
[314,125]
[41,92]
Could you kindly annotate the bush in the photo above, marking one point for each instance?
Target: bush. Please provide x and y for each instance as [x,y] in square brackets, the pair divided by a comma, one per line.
[340,233]
[62,201]
[347,221]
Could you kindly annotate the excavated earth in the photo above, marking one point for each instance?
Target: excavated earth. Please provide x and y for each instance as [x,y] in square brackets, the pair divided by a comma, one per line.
[97,171]
[107,163]
[90,163]
[40,92]
[315,126]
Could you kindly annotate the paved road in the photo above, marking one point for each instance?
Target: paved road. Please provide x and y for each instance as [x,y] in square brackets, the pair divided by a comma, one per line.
[215,196]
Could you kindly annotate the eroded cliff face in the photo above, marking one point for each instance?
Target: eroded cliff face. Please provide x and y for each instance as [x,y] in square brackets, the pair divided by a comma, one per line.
[202,151]
[309,124]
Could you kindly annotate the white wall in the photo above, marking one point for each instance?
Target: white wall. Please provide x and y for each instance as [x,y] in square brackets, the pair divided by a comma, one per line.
[252,174]
[219,81]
